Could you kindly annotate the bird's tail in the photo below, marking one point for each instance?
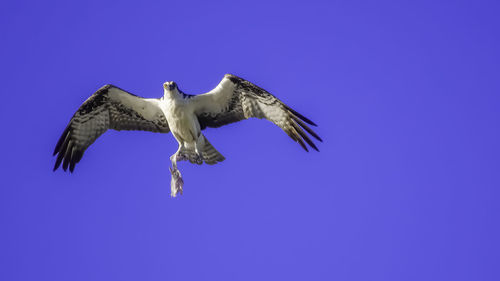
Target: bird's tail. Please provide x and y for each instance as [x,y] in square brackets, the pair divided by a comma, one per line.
[209,154]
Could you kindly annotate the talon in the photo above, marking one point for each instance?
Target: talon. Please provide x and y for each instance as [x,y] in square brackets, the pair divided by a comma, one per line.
[180,157]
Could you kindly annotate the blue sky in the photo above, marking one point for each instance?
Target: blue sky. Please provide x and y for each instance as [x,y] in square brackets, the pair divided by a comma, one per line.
[406,186]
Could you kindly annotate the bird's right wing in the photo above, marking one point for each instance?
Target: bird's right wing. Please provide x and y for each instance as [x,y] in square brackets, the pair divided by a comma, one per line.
[108,108]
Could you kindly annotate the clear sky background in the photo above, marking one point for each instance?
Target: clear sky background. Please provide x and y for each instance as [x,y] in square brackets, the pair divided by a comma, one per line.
[406,186]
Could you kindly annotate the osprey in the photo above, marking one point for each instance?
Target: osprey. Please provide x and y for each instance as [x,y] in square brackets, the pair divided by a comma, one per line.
[234,99]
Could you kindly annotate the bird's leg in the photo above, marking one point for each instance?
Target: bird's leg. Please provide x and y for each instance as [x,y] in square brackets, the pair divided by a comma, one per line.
[176,183]
[175,157]
[198,146]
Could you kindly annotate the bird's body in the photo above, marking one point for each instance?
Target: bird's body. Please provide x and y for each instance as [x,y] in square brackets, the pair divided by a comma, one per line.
[181,119]
[234,99]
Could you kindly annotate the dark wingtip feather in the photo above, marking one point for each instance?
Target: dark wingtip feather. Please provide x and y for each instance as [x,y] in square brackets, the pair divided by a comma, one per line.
[309,130]
[72,162]
[293,135]
[301,116]
[67,156]
[61,140]
[304,136]
[58,162]
[301,142]
[297,138]
[78,156]
[62,151]
[314,146]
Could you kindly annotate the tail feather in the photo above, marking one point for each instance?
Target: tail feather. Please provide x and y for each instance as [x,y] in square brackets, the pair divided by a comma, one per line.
[209,154]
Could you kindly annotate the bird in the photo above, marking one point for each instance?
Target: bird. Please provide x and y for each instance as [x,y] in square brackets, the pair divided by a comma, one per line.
[185,116]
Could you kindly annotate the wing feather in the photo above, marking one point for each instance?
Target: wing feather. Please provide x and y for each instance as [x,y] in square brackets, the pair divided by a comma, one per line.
[108,108]
[236,99]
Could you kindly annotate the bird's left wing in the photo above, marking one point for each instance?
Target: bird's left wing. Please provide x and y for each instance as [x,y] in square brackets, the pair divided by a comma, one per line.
[108,108]
[236,99]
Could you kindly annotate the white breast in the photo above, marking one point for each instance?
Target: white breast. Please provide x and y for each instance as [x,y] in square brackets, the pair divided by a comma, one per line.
[181,119]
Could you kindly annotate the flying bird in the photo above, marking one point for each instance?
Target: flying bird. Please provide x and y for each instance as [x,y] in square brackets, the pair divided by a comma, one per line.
[186,116]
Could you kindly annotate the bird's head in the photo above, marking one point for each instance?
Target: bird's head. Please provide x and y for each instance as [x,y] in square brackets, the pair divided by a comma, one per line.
[170,86]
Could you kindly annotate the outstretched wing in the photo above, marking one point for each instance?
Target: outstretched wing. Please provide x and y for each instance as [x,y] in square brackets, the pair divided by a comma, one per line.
[108,108]
[236,99]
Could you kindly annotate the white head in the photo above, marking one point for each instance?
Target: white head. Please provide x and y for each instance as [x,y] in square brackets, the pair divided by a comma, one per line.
[170,88]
